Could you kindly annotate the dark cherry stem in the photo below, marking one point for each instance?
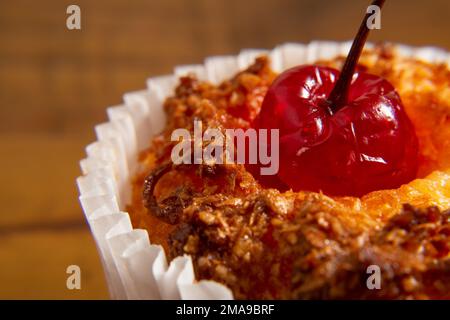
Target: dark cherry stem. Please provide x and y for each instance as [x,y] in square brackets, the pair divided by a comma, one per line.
[338,96]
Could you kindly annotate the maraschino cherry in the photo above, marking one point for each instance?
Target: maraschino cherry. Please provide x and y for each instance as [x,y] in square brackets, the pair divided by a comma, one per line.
[343,133]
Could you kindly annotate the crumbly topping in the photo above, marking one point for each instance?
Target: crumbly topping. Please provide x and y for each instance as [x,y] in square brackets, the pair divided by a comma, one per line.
[314,252]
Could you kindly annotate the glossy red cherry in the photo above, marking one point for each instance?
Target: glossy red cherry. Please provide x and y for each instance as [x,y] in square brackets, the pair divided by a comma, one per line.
[368,144]
[341,133]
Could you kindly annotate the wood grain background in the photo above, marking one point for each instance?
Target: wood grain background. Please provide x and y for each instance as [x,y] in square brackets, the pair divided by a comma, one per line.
[55,85]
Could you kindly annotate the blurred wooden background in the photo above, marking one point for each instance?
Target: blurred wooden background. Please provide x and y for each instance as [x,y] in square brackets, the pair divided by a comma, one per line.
[55,85]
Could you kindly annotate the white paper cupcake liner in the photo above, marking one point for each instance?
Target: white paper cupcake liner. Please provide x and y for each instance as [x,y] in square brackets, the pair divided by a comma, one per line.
[134,268]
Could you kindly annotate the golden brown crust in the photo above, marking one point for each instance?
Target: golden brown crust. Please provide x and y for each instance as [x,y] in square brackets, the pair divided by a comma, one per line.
[312,252]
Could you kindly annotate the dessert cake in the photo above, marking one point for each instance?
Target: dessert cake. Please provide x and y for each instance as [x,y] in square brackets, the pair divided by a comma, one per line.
[270,240]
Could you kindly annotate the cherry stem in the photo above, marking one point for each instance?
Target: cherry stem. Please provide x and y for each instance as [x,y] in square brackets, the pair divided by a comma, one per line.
[339,94]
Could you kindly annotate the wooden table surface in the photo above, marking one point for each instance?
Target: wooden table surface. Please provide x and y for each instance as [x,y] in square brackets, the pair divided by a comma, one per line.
[55,85]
